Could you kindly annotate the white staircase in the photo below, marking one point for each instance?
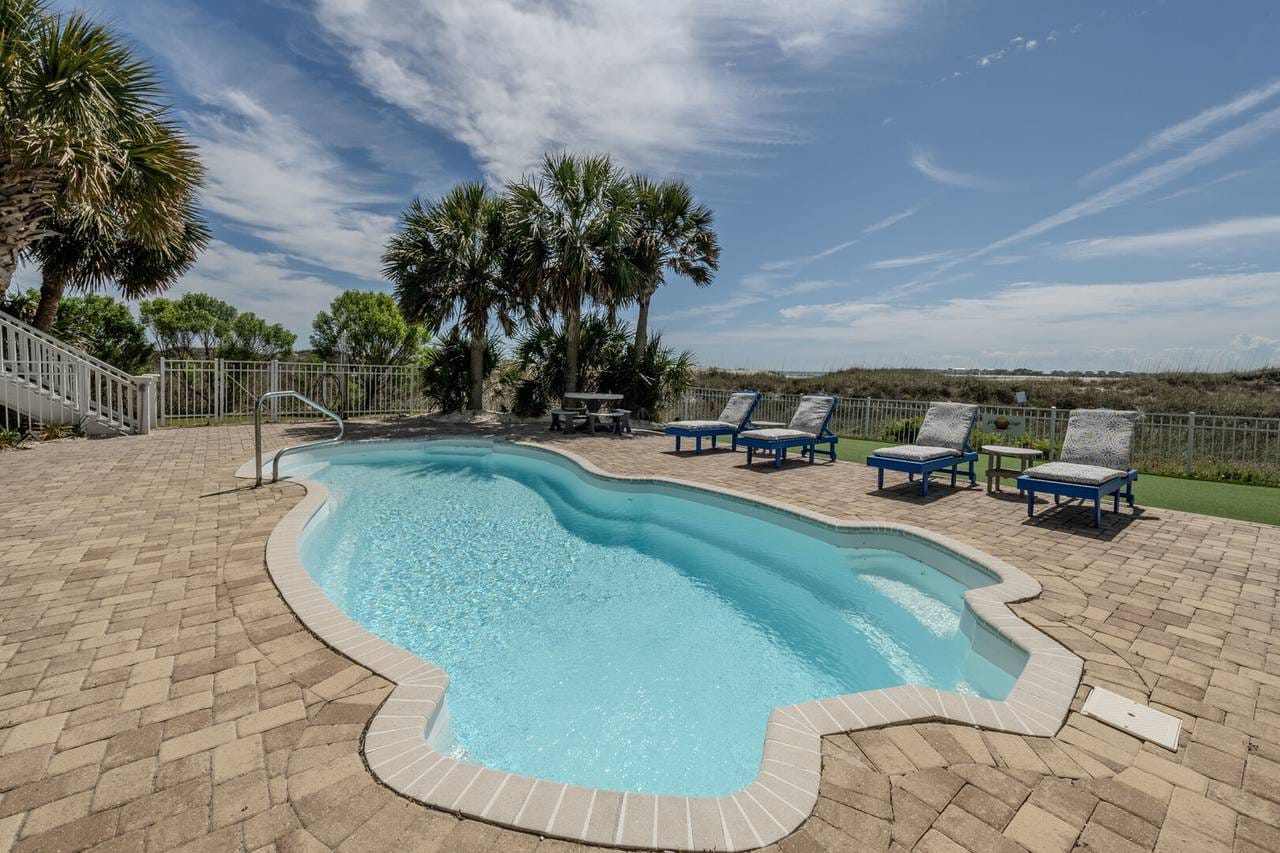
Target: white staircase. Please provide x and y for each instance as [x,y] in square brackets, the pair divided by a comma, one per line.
[46,381]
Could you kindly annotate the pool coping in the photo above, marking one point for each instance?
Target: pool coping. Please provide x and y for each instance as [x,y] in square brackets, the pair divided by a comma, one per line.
[782,796]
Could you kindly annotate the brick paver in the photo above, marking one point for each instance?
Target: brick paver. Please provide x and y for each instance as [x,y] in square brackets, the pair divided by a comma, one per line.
[156,694]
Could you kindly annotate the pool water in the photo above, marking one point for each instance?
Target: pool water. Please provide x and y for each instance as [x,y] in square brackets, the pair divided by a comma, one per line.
[620,637]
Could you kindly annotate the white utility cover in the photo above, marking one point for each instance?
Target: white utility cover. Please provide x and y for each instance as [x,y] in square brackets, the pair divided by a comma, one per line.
[1129,716]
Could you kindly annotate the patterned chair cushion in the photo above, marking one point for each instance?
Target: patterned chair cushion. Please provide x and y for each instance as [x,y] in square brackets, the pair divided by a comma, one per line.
[811,415]
[948,425]
[703,425]
[737,409]
[1071,472]
[1100,437]
[916,452]
[775,434]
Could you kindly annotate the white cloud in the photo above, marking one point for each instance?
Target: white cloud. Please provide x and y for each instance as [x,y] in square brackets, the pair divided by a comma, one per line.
[1213,234]
[893,219]
[1184,131]
[1005,260]
[262,282]
[925,164]
[653,83]
[1193,323]
[1151,178]
[753,289]
[916,260]
[805,260]
[276,182]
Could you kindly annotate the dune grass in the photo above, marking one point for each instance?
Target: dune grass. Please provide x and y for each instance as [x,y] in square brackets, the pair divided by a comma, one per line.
[1225,500]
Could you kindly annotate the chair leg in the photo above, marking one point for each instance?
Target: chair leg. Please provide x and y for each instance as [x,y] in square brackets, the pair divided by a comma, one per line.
[713,442]
[1129,494]
[779,455]
[973,476]
[953,476]
[831,451]
[697,446]
[924,485]
[1031,503]
[1097,513]
[677,444]
[813,451]
[733,443]
[1115,507]
[750,453]
[1055,500]
[879,478]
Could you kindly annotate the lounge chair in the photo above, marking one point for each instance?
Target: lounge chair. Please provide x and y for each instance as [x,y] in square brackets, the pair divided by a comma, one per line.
[1094,462]
[808,429]
[734,419]
[941,445]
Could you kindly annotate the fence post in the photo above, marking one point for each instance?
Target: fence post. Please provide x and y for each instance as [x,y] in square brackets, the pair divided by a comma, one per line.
[146,402]
[1053,432]
[1191,442]
[866,420]
[218,402]
[160,395]
[274,385]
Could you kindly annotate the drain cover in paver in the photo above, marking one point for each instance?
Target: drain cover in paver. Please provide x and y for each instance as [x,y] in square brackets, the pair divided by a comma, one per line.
[1129,716]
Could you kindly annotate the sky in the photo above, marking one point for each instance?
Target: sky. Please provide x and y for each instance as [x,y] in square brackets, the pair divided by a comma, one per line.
[1082,185]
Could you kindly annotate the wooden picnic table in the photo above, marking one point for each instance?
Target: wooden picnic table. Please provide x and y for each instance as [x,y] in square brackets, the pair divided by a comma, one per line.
[592,400]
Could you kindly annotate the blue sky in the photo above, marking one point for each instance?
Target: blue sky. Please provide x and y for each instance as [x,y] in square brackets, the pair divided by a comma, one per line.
[1053,185]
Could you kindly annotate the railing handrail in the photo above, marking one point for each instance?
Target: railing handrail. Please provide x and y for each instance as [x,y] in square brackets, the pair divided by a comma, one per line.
[257,432]
[62,346]
[1266,419]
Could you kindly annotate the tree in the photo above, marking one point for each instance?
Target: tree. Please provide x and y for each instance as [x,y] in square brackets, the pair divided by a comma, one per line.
[91,247]
[177,324]
[448,261]
[672,234]
[368,327]
[446,367]
[106,329]
[250,338]
[80,119]
[570,227]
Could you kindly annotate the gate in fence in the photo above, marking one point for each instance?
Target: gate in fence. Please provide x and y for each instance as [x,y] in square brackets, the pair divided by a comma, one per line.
[216,390]
[1214,447]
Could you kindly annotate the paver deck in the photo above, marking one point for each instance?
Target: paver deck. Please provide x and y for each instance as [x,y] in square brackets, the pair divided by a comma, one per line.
[157,694]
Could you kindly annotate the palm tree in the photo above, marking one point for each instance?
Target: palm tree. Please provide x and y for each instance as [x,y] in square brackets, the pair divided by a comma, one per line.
[92,246]
[77,111]
[673,234]
[570,225]
[448,260]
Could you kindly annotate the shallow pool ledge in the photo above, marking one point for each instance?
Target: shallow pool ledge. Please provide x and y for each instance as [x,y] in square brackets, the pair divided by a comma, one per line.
[785,790]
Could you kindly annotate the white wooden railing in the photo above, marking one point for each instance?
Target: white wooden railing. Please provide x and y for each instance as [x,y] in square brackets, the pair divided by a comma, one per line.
[67,385]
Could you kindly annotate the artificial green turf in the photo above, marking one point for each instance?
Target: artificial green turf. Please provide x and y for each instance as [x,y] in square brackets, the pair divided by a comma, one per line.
[1227,500]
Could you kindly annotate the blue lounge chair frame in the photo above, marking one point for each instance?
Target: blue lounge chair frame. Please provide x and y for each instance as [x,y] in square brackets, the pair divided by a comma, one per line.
[809,446]
[1119,487]
[926,468]
[715,432]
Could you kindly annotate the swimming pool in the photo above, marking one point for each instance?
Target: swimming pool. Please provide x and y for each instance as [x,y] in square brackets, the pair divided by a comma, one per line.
[629,636]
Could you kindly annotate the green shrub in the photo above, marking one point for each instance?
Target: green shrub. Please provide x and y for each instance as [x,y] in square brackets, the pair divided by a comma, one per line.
[446,369]
[902,431]
[604,365]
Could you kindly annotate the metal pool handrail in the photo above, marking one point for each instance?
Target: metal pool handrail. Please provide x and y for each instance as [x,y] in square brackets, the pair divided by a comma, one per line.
[257,432]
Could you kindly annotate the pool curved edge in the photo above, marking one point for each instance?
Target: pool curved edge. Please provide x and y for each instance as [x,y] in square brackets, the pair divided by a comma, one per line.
[782,796]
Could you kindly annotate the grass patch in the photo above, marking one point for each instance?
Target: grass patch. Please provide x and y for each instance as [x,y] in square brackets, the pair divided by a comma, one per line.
[1225,500]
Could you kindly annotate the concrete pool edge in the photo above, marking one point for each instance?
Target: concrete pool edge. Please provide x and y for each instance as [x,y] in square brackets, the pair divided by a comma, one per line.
[784,792]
